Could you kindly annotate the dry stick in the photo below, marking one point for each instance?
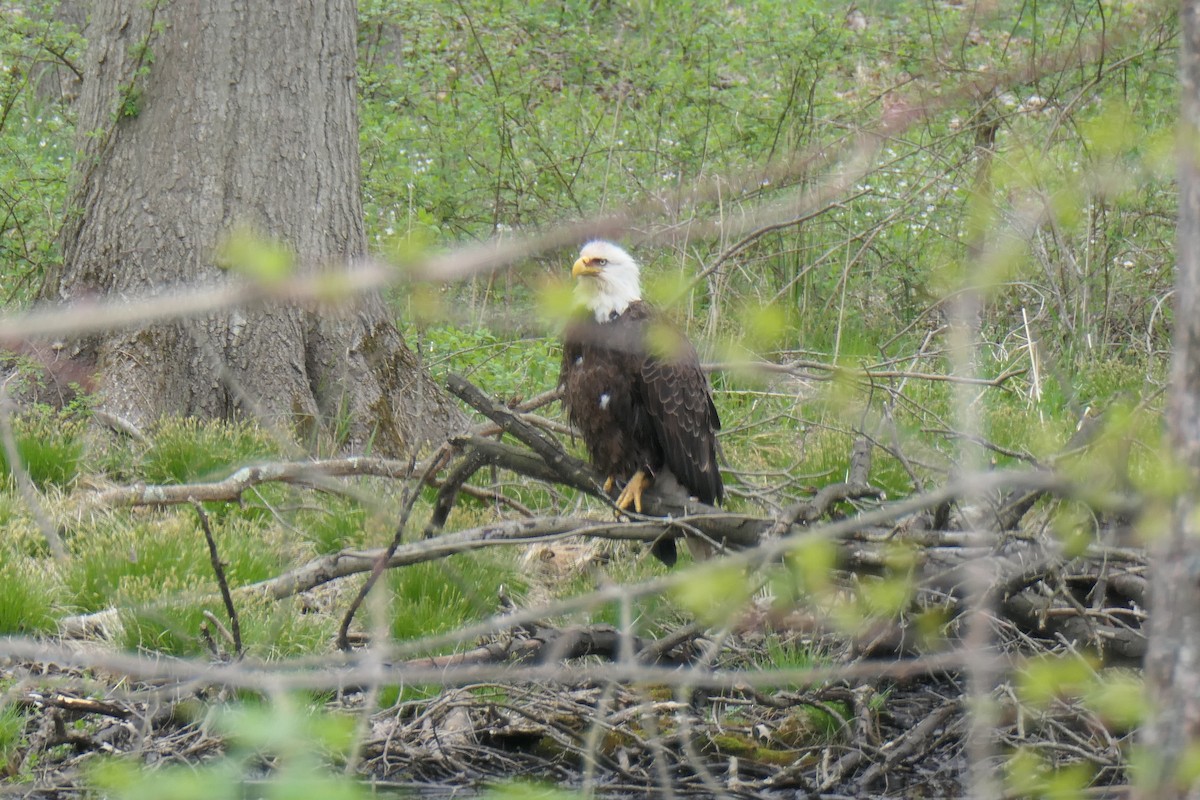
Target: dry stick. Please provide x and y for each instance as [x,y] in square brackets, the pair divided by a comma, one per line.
[312,473]
[221,629]
[302,473]
[541,443]
[524,462]
[381,563]
[906,744]
[495,497]
[802,369]
[853,489]
[219,570]
[338,671]
[76,705]
[471,462]
[350,562]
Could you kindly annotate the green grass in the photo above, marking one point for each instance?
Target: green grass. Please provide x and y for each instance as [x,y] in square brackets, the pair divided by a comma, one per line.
[27,604]
[440,596]
[144,559]
[336,524]
[49,445]
[12,735]
[189,450]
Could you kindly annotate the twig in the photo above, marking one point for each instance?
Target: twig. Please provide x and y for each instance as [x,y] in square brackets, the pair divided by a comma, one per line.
[738,528]
[381,562]
[119,425]
[222,583]
[77,705]
[221,629]
[548,644]
[338,671]
[798,369]
[907,744]
[471,462]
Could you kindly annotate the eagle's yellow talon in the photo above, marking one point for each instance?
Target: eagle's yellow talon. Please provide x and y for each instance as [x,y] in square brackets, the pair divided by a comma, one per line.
[608,485]
[632,493]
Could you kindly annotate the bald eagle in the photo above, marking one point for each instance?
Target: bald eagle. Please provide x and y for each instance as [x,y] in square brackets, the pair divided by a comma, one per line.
[633,387]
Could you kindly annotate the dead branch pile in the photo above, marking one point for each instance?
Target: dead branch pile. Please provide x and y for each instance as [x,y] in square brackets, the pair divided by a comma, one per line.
[702,709]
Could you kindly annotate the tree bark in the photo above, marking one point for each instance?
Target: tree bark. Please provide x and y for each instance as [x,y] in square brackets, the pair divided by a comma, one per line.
[1173,652]
[198,118]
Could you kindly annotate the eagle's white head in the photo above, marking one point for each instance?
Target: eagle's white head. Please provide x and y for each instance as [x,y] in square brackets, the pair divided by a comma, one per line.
[608,279]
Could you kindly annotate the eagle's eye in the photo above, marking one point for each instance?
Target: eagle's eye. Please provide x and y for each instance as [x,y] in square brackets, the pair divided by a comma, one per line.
[600,262]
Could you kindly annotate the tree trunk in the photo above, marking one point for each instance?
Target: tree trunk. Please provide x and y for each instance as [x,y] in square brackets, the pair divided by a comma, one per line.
[198,117]
[1173,653]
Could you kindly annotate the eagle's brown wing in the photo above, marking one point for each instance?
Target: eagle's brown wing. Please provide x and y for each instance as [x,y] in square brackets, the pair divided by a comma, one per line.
[679,401]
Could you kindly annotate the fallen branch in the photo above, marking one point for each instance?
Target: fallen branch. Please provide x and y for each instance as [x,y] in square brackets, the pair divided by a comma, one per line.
[570,469]
[546,645]
[230,490]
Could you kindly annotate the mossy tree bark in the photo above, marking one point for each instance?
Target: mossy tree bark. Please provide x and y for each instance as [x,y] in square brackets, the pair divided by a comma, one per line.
[198,118]
[1172,736]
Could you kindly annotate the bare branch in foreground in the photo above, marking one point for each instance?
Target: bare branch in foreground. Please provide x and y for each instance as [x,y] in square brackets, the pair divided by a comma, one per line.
[349,670]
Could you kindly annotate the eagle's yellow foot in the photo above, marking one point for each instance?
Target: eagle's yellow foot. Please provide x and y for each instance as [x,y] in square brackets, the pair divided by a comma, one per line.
[608,484]
[632,493]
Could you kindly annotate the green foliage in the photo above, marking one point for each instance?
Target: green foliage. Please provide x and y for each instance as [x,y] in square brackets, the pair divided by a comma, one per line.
[539,85]
[335,525]
[714,592]
[523,790]
[26,598]
[1029,774]
[437,597]
[255,257]
[189,450]
[12,732]
[35,142]
[300,743]
[148,558]
[270,629]
[1116,696]
[507,366]
[49,446]
[154,569]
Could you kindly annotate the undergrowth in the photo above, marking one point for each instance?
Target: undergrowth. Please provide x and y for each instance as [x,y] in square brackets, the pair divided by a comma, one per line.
[1051,195]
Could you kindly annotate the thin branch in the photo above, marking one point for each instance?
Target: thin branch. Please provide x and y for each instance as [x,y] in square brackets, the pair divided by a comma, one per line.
[571,470]
[348,670]
[381,562]
[222,583]
[798,368]
[301,473]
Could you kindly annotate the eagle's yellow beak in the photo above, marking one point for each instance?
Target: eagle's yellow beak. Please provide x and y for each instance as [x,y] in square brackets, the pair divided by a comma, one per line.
[582,268]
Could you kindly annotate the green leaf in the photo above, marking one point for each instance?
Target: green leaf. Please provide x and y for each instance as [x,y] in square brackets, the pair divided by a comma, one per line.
[714,593]
[256,257]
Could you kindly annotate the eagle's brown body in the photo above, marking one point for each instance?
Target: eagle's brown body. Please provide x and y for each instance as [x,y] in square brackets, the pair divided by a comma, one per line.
[634,388]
